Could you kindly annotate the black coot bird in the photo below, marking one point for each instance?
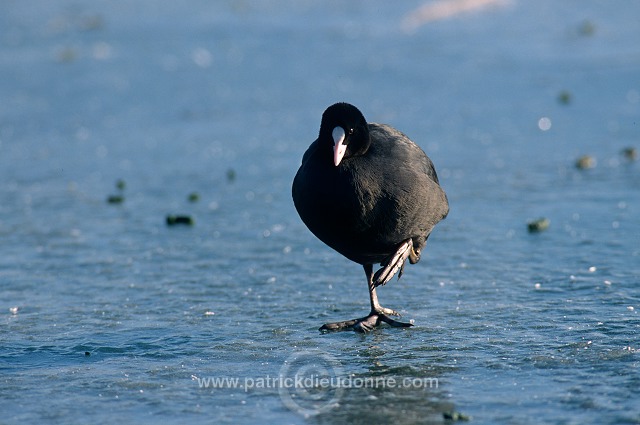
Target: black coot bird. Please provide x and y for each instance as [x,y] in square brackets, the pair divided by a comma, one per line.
[371,194]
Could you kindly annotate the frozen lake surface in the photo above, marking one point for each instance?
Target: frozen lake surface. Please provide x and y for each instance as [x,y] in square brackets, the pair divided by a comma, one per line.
[107,315]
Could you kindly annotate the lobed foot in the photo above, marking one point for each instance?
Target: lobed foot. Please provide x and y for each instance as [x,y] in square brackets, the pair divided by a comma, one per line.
[368,323]
[395,263]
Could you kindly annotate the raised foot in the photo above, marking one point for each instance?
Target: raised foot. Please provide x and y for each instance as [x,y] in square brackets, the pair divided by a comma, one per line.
[395,263]
[366,324]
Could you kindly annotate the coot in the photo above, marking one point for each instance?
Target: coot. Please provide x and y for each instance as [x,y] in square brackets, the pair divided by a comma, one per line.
[371,194]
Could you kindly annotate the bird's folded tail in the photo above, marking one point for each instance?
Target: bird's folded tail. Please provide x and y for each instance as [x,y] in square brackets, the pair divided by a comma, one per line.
[393,264]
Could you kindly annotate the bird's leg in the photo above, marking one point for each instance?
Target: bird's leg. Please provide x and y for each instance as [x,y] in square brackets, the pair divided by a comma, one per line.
[395,263]
[414,255]
[373,296]
[377,315]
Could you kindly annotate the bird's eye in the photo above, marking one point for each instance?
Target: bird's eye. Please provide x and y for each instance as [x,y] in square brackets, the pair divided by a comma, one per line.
[351,131]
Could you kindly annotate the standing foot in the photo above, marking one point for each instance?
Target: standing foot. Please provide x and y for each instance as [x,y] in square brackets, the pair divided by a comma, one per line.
[368,323]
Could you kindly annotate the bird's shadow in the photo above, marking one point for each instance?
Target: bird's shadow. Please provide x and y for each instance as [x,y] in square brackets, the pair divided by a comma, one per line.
[386,382]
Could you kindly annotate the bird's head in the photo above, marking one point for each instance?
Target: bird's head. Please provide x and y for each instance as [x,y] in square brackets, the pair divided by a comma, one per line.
[345,130]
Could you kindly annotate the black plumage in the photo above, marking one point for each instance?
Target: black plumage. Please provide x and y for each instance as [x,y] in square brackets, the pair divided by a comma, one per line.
[370,193]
